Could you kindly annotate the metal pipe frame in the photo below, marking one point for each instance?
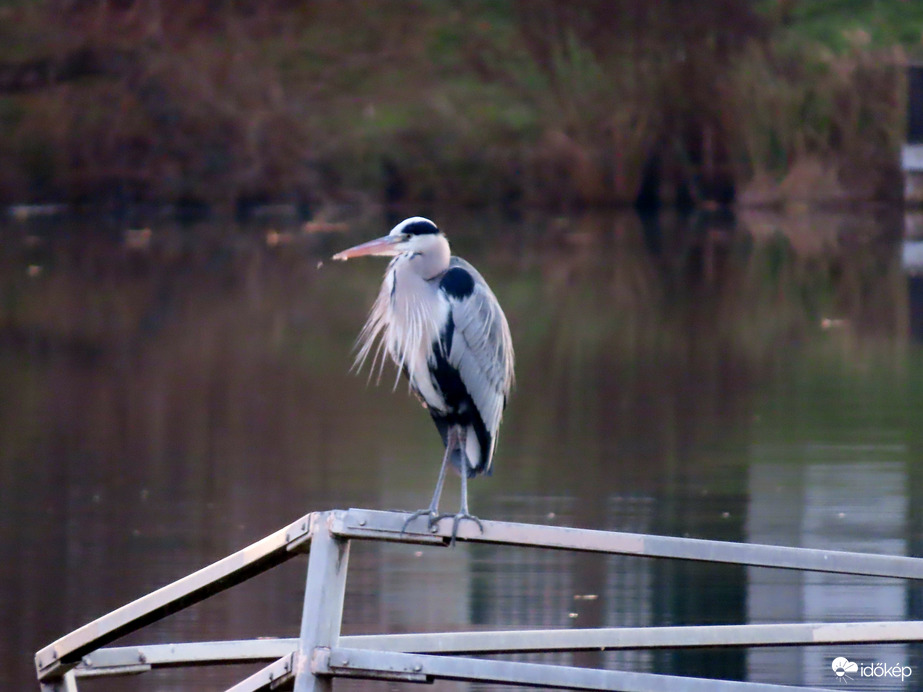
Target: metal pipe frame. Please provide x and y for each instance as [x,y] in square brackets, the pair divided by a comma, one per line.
[401,667]
[420,668]
[319,654]
[54,660]
[125,660]
[387,526]
[323,605]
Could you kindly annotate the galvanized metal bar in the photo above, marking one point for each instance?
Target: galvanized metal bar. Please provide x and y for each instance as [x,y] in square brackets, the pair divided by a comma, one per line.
[378,525]
[490,642]
[110,661]
[322,613]
[111,671]
[134,659]
[56,659]
[422,668]
[325,588]
[271,677]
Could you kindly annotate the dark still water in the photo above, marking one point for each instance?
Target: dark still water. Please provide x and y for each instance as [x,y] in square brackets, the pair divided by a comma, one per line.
[169,397]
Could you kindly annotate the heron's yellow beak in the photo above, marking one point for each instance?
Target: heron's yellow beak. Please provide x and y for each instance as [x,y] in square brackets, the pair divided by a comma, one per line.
[386,246]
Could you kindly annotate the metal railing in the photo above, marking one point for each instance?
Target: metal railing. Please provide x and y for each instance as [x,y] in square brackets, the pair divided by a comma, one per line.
[319,655]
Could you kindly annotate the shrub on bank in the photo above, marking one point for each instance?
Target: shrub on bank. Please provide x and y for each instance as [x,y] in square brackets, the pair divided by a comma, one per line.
[548,103]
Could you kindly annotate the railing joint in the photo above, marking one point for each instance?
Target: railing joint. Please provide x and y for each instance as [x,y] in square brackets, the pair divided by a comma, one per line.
[298,536]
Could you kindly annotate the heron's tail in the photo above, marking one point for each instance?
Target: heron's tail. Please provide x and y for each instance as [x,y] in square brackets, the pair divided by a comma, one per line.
[461,463]
[459,457]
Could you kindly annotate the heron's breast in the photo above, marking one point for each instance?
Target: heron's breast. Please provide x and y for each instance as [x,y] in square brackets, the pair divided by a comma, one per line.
[418,316]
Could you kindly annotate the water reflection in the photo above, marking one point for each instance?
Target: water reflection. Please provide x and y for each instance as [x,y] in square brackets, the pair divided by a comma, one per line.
[164,404]
[805,497]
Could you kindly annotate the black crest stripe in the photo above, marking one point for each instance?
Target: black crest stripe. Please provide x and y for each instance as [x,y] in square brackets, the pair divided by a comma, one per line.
[420,228]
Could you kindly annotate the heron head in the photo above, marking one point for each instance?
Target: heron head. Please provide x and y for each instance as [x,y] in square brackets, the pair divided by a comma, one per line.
[415,235]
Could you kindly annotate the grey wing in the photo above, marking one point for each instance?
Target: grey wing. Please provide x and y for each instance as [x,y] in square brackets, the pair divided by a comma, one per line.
[481,348]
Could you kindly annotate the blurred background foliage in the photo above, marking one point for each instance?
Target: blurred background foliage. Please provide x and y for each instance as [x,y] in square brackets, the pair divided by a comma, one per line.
[550,103]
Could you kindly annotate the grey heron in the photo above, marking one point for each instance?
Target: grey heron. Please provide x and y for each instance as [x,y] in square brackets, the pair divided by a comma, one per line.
[443,328]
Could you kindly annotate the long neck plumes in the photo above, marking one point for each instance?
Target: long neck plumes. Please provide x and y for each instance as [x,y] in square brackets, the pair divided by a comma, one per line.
[409,312]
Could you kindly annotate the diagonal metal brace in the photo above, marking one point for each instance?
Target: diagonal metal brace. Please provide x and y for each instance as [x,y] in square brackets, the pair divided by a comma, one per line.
[56,659]
[273,676]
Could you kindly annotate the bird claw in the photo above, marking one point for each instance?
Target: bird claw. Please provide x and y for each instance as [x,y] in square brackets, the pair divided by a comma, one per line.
[460,517]
[431,513]
[433,521]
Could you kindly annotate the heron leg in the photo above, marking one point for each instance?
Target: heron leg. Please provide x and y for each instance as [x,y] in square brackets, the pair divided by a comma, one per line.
[463,507]
[463,513]
[451,442]
[433,510]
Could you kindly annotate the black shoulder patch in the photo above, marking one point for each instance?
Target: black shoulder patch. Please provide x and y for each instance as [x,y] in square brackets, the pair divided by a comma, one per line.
[457,283]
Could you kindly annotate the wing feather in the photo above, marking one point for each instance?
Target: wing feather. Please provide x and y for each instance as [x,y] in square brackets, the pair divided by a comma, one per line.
[482,348]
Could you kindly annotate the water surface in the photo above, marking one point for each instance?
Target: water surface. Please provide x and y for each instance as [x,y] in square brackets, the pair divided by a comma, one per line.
[168,398]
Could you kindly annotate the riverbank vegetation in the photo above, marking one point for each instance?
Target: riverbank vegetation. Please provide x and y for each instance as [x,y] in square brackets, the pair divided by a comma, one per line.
[543,103]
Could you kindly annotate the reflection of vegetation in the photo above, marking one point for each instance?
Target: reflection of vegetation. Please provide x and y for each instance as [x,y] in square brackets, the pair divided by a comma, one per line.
[550,102]
[194,391]
[754,291]
[169,398]
[610,333]
[672,346]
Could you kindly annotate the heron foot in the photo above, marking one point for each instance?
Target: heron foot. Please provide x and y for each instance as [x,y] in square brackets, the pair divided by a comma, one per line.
[460,517]
[434,518]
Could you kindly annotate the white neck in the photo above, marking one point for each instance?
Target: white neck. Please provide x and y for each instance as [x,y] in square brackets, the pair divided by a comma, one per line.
[429,255]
